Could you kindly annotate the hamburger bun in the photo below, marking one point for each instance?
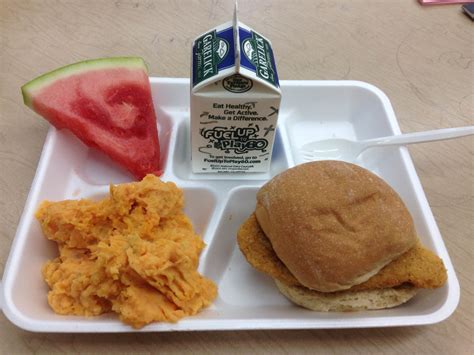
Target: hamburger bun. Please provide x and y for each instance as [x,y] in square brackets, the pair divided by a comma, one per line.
[347,301]
[333,225]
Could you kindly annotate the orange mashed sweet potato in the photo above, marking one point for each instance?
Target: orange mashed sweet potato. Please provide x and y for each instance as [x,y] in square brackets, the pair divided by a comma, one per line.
[134,253]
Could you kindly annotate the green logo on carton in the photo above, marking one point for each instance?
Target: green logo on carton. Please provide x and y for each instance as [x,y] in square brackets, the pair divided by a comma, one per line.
[237,84]
[222,48]
[258,50]
[208,52]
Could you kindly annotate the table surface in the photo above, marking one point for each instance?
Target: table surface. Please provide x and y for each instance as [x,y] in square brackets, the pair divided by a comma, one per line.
[421,57]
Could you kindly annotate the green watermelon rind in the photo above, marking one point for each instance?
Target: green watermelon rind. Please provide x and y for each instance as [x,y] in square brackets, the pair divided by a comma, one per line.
[28,90]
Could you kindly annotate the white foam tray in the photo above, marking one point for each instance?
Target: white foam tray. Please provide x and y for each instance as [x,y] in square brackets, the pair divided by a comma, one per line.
[217,205]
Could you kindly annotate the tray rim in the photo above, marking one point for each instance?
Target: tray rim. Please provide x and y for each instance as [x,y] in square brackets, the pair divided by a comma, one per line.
[192,324]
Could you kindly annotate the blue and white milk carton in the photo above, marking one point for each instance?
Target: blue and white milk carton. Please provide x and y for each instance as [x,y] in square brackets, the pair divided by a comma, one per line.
[235,99]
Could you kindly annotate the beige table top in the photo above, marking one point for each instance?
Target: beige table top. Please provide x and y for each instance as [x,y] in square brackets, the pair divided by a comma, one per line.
[422,58]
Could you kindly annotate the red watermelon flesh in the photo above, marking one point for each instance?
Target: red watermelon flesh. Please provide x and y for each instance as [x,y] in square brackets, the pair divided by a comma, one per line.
[108,107]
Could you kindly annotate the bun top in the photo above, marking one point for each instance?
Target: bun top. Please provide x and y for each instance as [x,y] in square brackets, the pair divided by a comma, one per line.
[333,224]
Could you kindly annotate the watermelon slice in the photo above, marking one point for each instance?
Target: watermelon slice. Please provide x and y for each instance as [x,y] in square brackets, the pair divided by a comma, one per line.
[107,104]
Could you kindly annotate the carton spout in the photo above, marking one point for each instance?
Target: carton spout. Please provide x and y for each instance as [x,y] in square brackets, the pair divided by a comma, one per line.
[235,25]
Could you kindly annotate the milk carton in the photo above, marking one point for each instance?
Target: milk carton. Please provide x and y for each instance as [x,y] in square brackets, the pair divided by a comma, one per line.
[235,99]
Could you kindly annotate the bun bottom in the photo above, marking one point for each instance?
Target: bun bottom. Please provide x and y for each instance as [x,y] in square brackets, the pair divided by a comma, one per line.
[346,301]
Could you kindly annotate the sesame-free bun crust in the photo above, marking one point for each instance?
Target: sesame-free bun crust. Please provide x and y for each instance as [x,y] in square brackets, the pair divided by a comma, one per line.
[333,224]
[346,301]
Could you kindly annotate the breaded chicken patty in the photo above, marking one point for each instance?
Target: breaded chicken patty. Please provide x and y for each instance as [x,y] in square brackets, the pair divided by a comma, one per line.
[418,267]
